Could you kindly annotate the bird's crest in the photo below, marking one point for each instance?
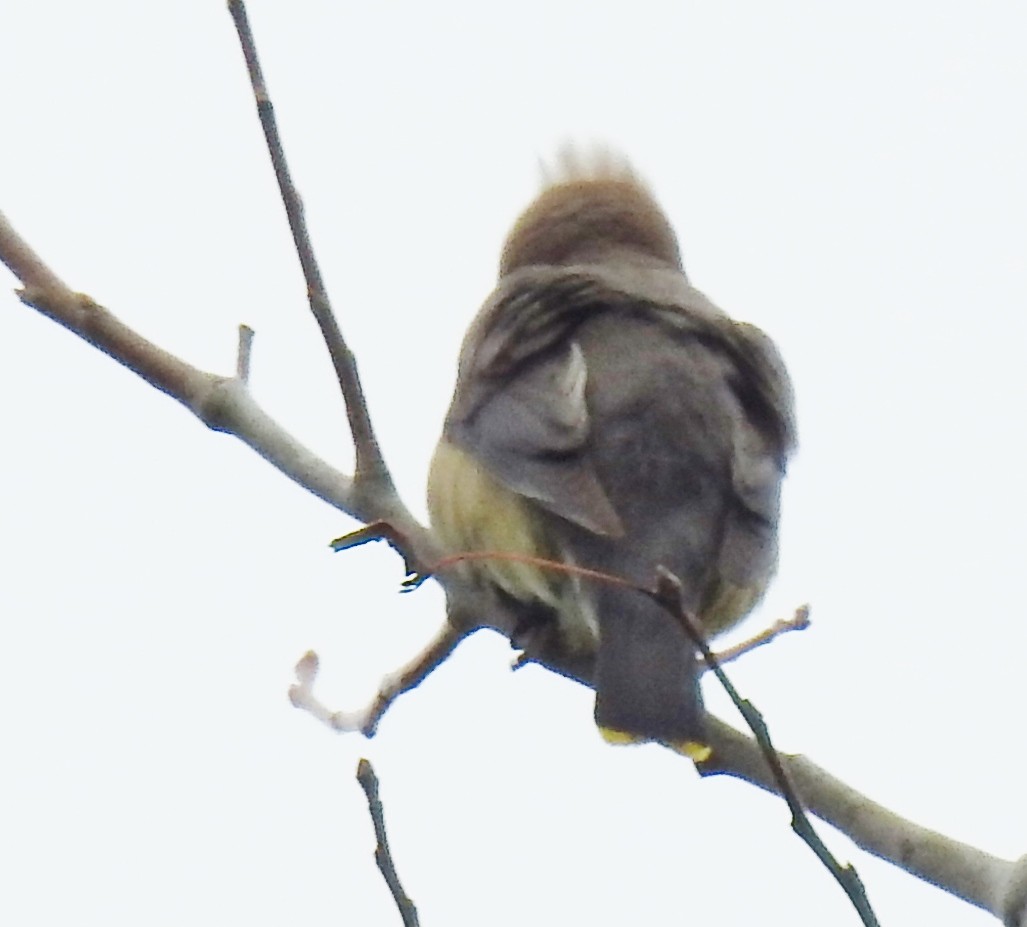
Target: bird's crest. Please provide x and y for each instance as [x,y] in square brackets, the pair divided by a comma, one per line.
[591,200]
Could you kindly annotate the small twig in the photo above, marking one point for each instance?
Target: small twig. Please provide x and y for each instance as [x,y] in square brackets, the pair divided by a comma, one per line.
[411,675]
[798,622]
[668,594]
[382,856]
[370,465]
[365,720]
[301,694]
[242,360]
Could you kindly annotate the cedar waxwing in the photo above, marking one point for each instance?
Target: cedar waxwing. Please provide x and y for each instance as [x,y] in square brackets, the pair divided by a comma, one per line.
[608,415]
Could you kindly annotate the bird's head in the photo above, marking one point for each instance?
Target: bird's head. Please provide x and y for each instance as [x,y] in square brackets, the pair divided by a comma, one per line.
[591,203]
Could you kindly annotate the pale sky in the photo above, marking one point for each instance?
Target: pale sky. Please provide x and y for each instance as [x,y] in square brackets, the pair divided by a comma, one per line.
[849,177]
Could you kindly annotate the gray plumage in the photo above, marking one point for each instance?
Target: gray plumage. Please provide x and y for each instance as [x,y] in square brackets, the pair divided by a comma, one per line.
[624,422]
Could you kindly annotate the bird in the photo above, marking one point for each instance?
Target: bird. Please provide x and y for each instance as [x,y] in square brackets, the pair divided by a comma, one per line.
[608,416]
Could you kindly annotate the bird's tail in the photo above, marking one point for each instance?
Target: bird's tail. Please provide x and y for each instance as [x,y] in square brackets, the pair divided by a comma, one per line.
[647,676]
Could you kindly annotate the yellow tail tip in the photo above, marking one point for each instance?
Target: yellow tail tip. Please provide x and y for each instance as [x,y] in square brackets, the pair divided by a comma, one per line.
[695,751]
[613,736]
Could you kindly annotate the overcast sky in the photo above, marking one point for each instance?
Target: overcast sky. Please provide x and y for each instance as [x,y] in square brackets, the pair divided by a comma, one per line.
[849,177]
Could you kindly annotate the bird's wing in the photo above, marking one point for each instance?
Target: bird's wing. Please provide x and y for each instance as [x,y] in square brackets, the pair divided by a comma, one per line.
[763,429]
[520,407]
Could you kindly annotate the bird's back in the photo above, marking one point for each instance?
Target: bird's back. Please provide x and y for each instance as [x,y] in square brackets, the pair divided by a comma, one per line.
[607,415]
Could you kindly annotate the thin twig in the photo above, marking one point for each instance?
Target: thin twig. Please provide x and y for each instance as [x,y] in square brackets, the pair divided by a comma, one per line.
[382,856]
[370,465]
[798,622]
[365,720]
[411,675]
[668,594]
[244,356]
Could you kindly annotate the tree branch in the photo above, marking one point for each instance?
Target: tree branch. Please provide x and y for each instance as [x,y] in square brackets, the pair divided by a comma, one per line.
[370,464]
[382,855]
[365,720]
[222,403]
[979,878]
[798,622]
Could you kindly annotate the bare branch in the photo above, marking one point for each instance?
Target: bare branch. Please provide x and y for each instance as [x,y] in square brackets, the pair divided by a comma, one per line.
[242,361]
[798,622]
[986,881]
[301,694]
[668,594]
[365,720]
[382,855]
[412,675]
[370,465]
[981,879]
[221,403]
[976,877]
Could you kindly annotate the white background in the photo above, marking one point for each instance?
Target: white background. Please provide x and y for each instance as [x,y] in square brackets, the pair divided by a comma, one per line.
[850,177]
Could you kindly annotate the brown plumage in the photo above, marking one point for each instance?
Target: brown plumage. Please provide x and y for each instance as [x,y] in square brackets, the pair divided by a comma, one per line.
[608,415]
